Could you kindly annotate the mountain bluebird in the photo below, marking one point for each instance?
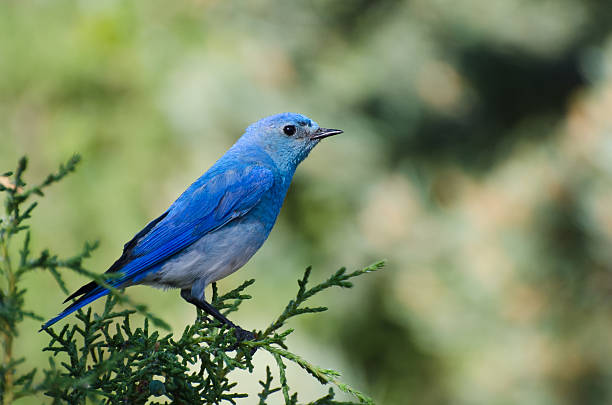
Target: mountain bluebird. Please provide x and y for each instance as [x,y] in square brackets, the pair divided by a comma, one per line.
[220,221]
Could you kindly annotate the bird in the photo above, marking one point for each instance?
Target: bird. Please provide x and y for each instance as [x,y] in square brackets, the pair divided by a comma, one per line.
[218,223]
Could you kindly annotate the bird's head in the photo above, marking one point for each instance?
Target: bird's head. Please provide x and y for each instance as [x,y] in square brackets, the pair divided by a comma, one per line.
[287,137]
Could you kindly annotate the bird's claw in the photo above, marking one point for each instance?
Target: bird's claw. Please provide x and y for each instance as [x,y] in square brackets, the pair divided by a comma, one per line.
[241,336]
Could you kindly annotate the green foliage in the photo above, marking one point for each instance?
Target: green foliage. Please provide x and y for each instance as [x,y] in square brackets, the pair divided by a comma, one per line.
[104,357]
[12,303]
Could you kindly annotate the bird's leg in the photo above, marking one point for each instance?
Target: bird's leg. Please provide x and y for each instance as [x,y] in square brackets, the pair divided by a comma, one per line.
[241,334]
[206,307]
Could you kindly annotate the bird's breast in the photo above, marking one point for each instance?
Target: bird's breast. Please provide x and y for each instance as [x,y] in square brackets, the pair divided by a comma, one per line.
[212,257]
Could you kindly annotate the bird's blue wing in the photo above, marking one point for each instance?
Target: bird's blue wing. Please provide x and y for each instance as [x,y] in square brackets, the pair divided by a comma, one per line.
[219,196]
[207,205]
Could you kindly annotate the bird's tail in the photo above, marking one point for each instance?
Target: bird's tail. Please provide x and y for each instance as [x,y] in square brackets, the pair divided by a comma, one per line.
[90,296]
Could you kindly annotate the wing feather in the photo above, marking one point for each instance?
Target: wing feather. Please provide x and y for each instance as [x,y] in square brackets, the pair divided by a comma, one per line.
[227,196]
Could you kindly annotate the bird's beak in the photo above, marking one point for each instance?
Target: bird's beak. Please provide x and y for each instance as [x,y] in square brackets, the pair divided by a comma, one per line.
[325,132]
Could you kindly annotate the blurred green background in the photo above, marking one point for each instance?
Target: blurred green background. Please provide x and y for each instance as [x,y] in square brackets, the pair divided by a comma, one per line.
[477,158]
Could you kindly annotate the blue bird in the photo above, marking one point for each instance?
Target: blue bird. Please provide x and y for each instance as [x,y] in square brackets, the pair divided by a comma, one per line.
[219,222]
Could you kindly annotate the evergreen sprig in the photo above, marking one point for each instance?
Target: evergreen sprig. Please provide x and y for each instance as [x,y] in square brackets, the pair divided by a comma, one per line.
[338,279]
[17,210]
[104,358]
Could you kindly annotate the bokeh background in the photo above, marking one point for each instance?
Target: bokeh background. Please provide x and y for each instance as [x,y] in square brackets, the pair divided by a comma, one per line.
[477,159]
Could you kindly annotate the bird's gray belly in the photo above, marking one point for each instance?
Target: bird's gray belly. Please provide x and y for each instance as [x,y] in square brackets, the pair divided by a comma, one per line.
[214,256]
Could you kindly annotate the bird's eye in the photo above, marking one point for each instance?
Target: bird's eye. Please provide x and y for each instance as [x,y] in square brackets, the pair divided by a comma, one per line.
[289,130]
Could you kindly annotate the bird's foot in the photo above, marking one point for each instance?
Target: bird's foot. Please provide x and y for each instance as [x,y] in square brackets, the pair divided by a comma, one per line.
[241,336]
